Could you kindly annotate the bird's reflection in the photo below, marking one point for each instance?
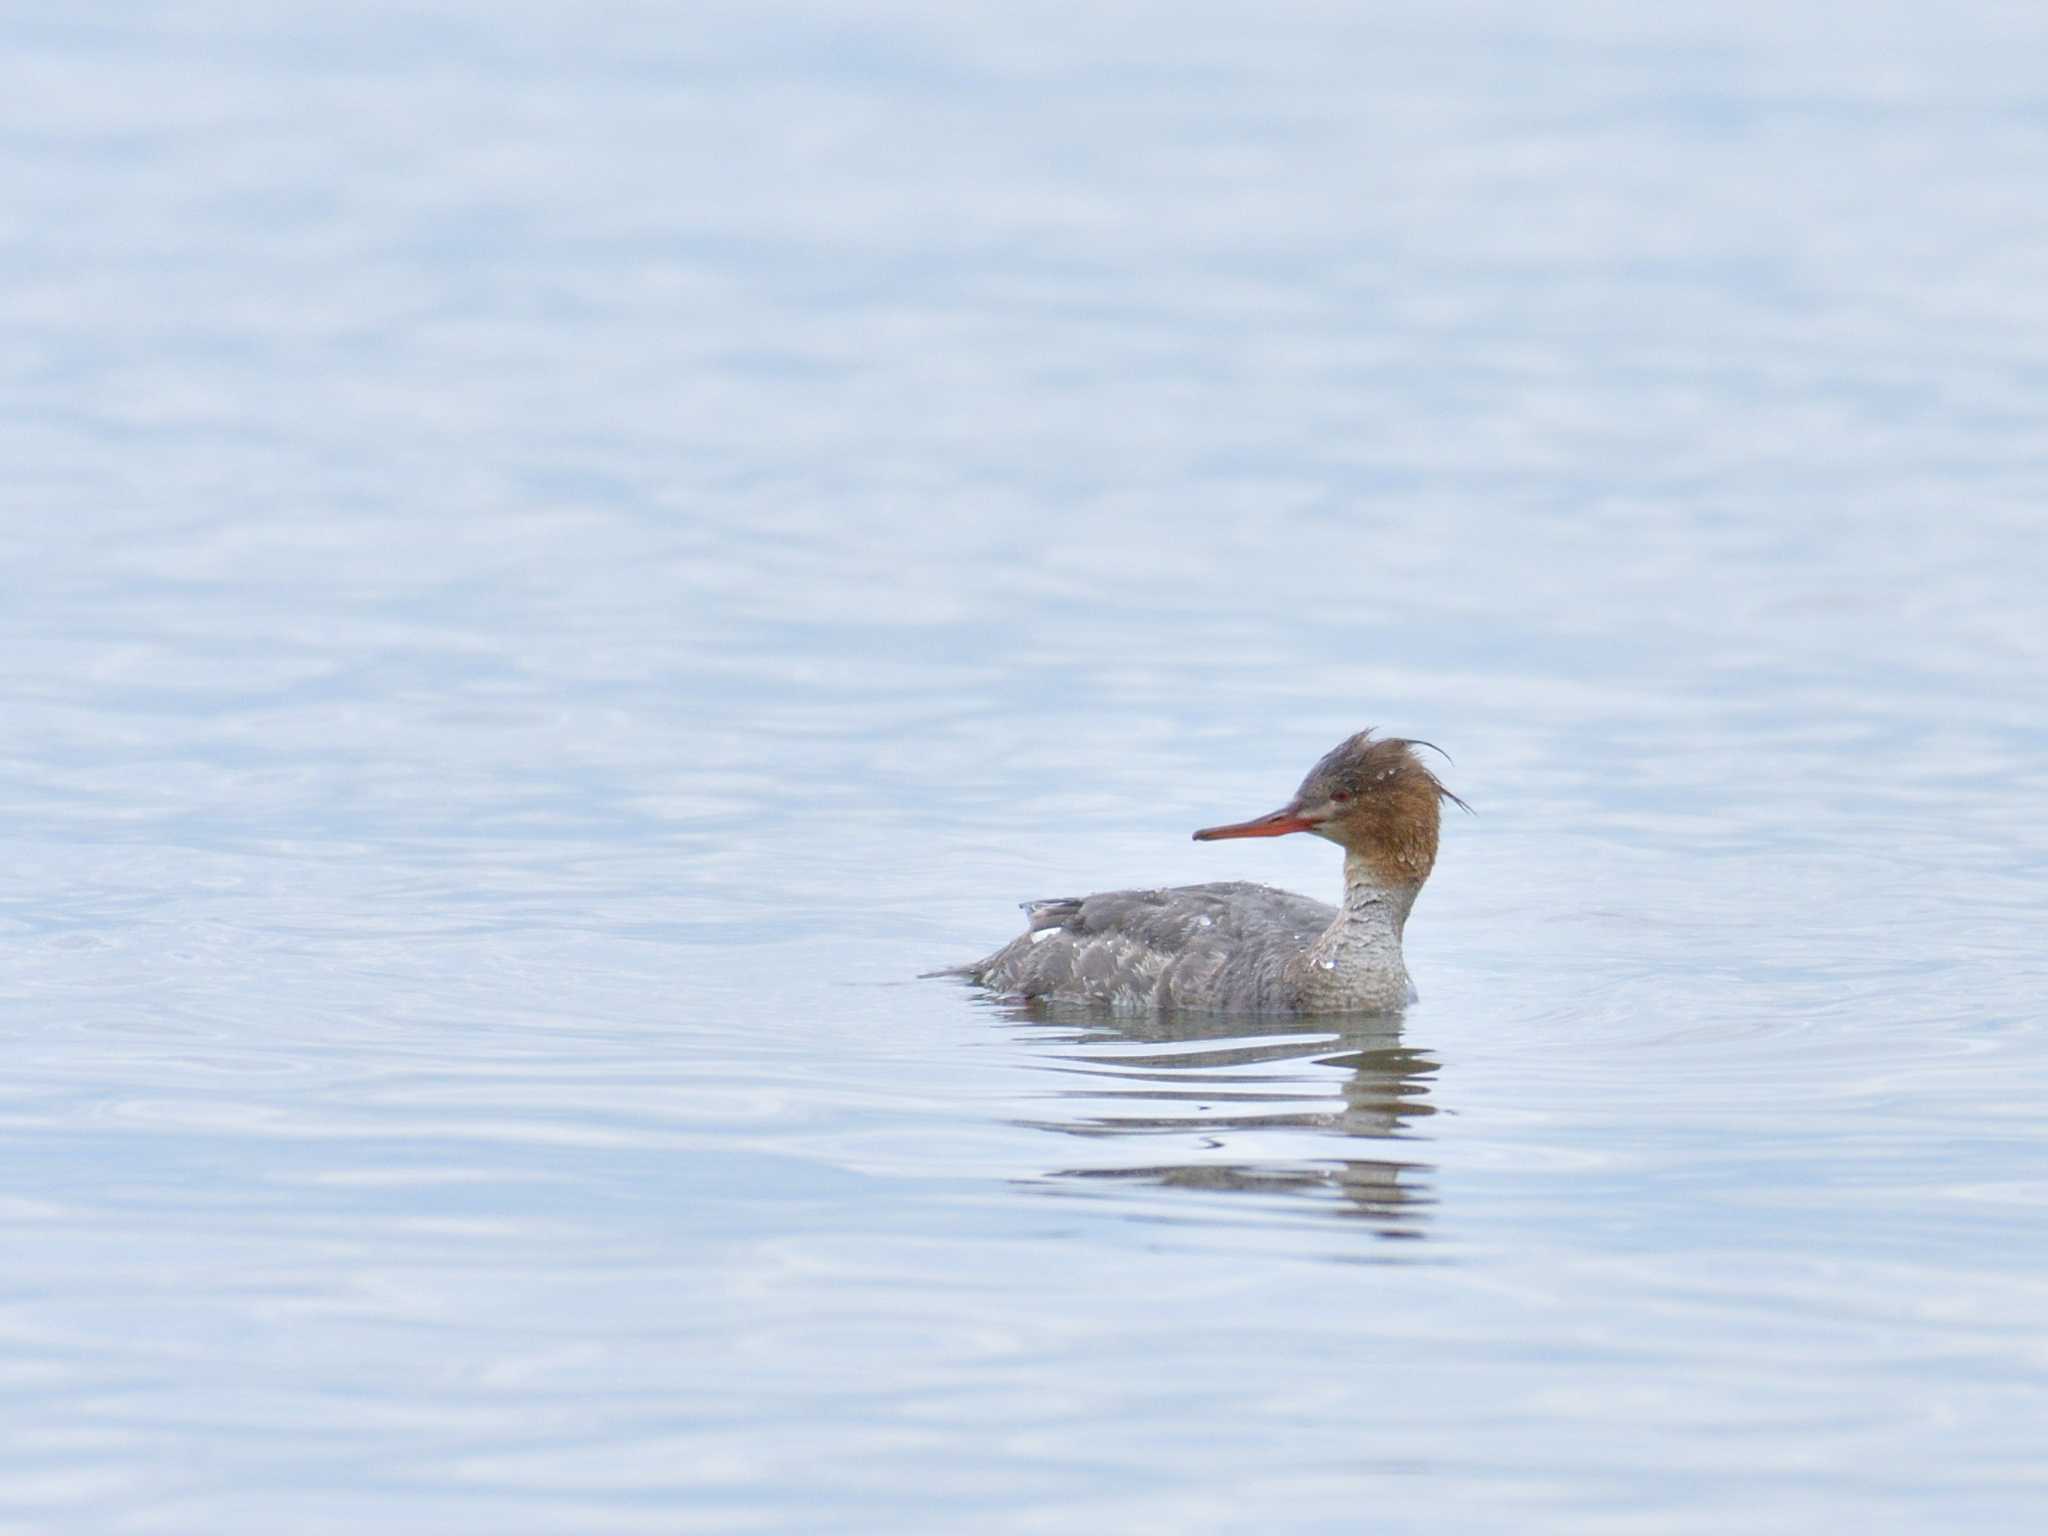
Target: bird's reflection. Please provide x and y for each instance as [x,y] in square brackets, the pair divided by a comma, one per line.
[1270,1106]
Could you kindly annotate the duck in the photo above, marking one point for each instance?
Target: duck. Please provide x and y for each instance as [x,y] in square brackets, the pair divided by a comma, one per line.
[1233,946]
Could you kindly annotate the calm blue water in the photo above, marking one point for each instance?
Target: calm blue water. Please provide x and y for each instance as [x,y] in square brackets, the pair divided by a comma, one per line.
[556,558]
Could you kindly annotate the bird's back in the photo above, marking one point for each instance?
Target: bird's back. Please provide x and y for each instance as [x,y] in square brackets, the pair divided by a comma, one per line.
[1227,945]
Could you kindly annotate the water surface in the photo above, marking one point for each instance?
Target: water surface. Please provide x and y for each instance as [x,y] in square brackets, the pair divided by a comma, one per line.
[558,560]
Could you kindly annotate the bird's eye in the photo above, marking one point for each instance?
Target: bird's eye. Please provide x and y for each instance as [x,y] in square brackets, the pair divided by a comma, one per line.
[1340,796]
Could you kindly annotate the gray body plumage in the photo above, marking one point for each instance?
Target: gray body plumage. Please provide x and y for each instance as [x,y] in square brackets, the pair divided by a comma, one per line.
[1230,946]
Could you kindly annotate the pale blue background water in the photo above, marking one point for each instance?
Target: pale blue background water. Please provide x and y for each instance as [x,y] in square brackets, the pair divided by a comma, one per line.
[557,557]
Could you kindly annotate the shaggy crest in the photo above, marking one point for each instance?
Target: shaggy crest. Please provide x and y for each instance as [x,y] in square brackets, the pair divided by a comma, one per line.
[1366,764]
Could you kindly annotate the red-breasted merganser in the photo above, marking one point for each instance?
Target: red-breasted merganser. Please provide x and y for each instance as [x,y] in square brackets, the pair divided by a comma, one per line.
[1249,948]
